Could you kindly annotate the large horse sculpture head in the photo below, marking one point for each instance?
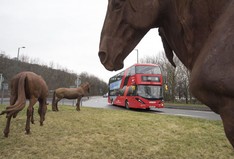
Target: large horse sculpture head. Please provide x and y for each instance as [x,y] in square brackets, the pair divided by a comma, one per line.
[126,23]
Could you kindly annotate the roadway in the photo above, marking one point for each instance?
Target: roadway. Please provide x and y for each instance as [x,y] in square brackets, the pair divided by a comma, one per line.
[100,102]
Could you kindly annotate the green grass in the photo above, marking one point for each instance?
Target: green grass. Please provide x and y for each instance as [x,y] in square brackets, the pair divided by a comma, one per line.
[96,133]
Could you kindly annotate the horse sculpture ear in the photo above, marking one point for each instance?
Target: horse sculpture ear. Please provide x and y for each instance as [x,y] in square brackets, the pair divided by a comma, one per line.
[166,46]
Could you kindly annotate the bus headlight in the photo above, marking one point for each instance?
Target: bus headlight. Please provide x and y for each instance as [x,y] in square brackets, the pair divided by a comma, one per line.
[140,101]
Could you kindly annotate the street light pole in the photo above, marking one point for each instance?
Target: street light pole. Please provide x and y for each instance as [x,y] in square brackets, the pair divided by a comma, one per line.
[78,81]
[19,52]
[137,54]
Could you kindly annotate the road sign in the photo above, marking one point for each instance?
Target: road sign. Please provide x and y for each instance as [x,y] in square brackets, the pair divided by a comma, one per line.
[5,86]
[1,80]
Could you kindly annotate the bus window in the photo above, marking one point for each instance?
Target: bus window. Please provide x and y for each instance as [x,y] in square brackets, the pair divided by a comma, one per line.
[121,91]
[147,91]
[115,85]
[131,91]
[132,71]
[148,70]
[126,80]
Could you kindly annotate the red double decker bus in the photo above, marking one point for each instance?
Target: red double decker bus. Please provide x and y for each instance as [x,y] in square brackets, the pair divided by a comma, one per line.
[139,86]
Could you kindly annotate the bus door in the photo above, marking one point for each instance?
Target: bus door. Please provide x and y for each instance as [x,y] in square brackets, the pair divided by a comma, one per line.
[120,99]
[126,93]
[130,95]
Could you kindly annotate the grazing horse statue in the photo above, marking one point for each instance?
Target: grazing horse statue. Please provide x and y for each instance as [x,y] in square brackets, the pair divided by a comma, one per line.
[26,85]
[70,93]
[199,32]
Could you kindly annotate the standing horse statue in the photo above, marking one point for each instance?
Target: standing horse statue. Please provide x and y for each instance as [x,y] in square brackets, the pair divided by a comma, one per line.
[26,85]
[70,93]
[199,32]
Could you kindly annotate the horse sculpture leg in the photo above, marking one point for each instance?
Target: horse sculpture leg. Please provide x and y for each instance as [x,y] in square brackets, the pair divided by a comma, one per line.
[78,103]
[227,115]
[212,75]
[42,111]
[6,132]
[7,128]
[32,102]
[55,107]
[32,118]
[207,91]
[55,104]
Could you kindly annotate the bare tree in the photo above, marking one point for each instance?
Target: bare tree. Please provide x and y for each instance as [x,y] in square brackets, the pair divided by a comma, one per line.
[54,78]
[176,79]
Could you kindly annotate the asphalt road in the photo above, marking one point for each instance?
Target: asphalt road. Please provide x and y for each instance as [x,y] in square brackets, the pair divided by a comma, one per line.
[100,102]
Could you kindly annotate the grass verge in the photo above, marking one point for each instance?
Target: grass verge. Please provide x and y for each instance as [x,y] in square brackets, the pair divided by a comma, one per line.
[95,133]
[184,104]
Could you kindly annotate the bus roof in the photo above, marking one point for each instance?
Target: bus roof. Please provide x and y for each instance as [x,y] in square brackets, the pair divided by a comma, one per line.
[141,64]
[144,64]
[137,64]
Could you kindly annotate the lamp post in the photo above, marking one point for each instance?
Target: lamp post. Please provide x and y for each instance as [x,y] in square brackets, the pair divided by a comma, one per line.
[137,54]
[19,52]
[78,81]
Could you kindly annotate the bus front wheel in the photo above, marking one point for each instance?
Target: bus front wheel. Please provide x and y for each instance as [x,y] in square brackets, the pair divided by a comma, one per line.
[127,104]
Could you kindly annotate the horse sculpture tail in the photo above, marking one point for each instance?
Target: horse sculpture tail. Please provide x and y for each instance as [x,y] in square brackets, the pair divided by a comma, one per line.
[21,98]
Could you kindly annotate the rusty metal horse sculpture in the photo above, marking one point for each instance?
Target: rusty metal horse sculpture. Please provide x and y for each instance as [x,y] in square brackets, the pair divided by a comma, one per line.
[26,85]
[70,93]
[199,32]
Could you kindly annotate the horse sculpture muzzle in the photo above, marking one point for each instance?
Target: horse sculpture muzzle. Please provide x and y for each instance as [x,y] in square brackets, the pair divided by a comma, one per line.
[111,64]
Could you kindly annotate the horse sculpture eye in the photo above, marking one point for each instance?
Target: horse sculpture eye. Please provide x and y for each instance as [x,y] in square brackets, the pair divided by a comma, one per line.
[117,4]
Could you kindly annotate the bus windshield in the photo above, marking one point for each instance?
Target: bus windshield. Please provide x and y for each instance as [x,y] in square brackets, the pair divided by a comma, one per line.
[149,91]
[148,70]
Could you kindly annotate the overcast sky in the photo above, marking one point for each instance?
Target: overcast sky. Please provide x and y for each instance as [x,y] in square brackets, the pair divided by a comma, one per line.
[65,32]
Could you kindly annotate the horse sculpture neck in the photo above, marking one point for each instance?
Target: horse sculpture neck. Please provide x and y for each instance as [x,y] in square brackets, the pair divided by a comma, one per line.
[186,33]
[85,87]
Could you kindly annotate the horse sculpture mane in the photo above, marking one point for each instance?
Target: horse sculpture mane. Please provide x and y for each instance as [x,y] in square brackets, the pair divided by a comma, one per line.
[70,93]
[26,85]
[199,32]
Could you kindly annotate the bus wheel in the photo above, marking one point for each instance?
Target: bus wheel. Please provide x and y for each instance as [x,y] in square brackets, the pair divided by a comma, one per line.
[127,104]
